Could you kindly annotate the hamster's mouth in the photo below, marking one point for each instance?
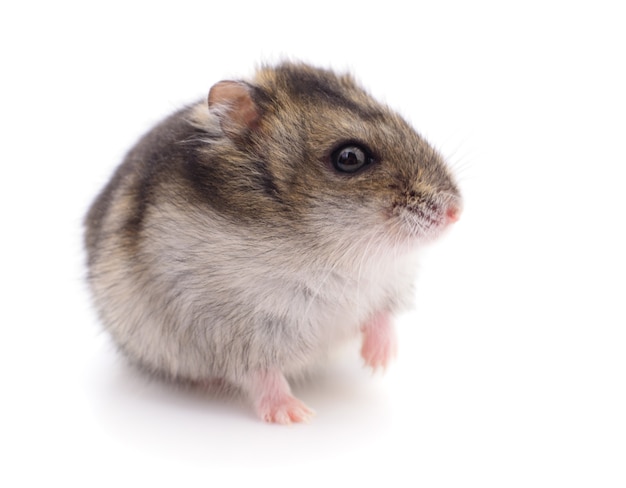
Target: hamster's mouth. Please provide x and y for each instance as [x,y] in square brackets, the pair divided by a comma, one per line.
[419,222]
[422,222]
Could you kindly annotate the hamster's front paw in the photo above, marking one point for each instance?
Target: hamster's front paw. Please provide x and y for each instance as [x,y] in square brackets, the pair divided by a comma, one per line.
[379,341]
[273,399]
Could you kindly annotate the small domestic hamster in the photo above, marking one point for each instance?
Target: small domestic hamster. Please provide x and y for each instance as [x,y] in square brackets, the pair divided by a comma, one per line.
[246,235]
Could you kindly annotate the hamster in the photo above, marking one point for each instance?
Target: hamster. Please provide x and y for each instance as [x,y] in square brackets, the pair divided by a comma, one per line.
[244,237]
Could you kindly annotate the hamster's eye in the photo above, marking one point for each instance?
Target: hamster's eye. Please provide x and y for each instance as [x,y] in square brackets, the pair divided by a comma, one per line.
[351,158]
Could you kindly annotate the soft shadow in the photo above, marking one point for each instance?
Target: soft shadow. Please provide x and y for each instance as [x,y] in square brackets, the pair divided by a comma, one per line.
[188,422]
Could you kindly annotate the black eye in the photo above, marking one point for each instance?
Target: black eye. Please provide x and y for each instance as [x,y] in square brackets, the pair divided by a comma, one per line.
[351,158]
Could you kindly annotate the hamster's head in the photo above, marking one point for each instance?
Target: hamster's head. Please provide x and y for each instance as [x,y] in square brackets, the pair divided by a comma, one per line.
[316,150]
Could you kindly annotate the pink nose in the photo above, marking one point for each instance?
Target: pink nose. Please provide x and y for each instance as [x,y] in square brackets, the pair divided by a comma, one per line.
[453,213]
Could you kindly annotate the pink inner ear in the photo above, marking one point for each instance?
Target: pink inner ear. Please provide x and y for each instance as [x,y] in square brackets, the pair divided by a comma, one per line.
[232,101]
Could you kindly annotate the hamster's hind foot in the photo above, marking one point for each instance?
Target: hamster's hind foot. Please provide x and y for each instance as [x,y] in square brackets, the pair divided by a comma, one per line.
[284,411]
[273,400]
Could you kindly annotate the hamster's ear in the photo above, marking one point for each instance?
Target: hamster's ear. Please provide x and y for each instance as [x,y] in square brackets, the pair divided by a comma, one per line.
[232,102]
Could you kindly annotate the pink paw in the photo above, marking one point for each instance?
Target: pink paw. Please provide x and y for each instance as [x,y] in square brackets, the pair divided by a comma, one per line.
[379,341]
[284,410]
[273,399]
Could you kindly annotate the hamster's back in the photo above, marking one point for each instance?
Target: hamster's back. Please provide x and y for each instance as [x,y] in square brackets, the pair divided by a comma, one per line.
[120,207]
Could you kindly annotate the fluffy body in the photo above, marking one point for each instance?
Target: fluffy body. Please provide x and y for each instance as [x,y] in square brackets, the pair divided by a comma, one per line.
[227,245]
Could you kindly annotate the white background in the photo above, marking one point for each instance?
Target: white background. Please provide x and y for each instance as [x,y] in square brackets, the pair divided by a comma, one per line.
[512,369]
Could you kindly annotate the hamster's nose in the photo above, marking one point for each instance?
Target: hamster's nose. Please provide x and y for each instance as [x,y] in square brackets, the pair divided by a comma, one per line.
[453,213]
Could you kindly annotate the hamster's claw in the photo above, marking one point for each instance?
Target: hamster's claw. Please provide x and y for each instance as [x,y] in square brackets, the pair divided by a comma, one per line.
[379,341]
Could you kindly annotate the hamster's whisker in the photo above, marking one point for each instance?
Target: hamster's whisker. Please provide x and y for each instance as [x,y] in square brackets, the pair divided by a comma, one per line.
[318,289]
[364,255]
